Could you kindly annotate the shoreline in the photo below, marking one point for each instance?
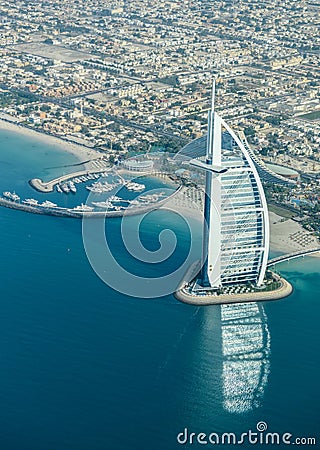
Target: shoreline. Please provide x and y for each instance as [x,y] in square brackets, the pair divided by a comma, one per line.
[286,235]
[70,212]
[81,152]
[209,297]
[283,291]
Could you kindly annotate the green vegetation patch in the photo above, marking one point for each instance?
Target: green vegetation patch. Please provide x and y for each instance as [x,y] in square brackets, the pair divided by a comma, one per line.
[283,212]
[314,115]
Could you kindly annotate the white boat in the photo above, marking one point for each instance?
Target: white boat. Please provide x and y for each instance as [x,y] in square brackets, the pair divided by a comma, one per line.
[30,201]
[65,188]
[150,198]
[72,187]
[103,204]
[12,196]
[48,204]
[15,197]
[95,190]
[109,187]
[58,188]
[131,186]
[83,208]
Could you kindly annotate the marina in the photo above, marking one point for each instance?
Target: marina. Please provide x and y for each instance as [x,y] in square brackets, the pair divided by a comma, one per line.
[92,192]
[114,206]
[67,183]
[81,176]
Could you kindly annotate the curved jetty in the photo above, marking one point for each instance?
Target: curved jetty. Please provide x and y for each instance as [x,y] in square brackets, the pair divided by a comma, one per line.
[83,210]
[48,186]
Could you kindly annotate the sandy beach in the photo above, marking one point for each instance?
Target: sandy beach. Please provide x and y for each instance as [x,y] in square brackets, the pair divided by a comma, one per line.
[288,236]
[81,152]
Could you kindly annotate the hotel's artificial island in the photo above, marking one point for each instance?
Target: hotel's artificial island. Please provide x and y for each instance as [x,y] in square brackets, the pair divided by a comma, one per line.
[236,225]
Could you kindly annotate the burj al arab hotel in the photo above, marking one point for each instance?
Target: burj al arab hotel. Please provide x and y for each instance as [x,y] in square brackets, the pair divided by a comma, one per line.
[236,234]
[236,225]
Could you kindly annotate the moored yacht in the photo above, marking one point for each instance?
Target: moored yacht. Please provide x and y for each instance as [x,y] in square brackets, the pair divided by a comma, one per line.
[48,204]
[65,188]
[12,196]
[132,186]
[72,187]
[106,204]
[30,201]
[83,208]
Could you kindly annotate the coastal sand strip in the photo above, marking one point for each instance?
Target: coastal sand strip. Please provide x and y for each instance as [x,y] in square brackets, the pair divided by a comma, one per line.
[80,151]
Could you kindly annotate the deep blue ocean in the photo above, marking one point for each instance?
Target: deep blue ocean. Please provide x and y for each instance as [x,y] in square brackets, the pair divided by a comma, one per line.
[83,367]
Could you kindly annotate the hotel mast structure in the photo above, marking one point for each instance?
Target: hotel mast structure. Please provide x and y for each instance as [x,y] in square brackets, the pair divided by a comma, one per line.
[236,227]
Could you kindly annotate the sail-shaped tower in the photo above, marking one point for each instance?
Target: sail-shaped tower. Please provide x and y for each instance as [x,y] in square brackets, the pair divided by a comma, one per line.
[236,226]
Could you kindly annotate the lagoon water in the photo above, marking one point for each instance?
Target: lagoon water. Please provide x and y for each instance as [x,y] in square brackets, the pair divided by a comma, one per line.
[84,367]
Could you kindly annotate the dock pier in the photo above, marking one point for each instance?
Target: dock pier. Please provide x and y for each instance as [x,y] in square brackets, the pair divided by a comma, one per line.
[48,186]
[68,212]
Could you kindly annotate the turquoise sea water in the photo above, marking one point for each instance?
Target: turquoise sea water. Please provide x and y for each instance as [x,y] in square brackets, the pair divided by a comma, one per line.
[84,367]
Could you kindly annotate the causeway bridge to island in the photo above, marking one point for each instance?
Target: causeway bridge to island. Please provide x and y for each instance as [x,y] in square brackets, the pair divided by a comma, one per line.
[294,255]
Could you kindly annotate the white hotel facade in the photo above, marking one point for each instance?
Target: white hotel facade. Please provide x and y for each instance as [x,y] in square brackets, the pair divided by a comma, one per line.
[236,227]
